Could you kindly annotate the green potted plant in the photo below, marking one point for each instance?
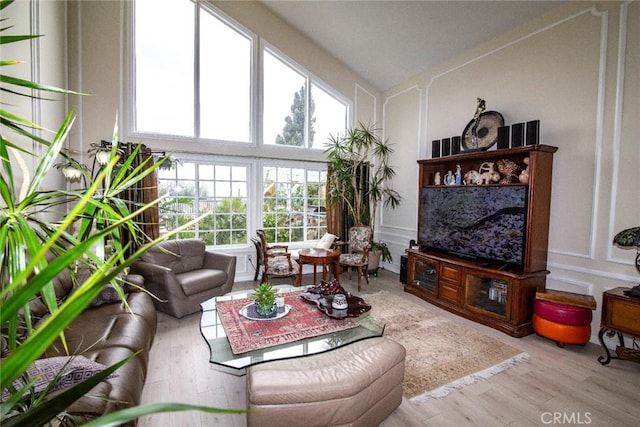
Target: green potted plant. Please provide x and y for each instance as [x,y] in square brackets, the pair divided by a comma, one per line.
[264,297]
[360,176]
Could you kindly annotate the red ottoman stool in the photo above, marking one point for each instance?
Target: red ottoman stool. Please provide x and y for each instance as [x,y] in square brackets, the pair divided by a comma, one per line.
[563,317]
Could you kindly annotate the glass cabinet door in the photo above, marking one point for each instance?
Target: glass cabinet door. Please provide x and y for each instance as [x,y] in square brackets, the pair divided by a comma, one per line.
[488,294]
[425,275]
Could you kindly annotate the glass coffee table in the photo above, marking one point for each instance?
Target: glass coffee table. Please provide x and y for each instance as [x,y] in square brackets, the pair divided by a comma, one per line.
[225,360]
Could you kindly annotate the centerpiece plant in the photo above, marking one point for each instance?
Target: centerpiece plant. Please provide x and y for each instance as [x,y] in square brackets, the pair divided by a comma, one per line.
[36,245]
[360,176]
[264,297]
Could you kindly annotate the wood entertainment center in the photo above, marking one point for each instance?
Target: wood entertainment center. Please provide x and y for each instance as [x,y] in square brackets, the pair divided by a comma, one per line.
[497,294]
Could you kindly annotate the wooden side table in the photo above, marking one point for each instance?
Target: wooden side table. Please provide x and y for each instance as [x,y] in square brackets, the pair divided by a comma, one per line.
[620,316]
[318,256]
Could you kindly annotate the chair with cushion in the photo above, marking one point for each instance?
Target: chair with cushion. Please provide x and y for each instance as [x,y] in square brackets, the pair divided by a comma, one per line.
[357,254]
[277,260]
[181,274]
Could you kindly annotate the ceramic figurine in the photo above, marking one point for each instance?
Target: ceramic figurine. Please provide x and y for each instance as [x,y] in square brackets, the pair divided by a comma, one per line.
[524,175]
[509,169]
[488,174]
[471,177]
[458,175]
[449,179]
[437,180]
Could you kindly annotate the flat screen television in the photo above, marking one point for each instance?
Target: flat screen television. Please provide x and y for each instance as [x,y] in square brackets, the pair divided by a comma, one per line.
[484,223]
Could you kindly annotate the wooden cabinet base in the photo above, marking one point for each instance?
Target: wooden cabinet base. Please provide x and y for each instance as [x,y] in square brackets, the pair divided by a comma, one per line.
[495,297]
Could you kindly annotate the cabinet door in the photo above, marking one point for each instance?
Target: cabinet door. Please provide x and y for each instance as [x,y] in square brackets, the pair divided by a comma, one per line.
[423,273]
[487,294]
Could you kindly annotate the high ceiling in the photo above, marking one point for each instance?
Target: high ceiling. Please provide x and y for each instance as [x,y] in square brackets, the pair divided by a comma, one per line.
[387,42]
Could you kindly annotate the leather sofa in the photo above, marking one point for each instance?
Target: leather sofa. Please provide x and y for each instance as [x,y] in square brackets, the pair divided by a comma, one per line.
[181,274]
[359,384]
[107,332]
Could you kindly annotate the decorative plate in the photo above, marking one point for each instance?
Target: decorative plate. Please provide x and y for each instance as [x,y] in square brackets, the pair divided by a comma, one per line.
[357,306]
[249,311]
[486,131]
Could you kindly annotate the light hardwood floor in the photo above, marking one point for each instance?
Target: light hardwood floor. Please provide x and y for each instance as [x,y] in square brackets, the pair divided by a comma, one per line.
[554,387]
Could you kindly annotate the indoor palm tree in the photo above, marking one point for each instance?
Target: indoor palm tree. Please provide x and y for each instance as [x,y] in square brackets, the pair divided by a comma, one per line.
[360,176]
[34,249]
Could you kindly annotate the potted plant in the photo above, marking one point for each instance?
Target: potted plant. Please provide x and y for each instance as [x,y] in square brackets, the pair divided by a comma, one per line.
[30,233]
[265,300]
[359,180]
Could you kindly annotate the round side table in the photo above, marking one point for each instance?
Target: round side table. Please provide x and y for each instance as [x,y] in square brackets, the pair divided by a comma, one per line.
[319,256]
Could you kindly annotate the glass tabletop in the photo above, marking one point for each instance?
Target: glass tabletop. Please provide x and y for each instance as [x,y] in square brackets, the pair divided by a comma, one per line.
[224,359]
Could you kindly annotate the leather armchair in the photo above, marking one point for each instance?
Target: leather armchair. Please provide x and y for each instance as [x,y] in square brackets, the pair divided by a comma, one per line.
[181,274]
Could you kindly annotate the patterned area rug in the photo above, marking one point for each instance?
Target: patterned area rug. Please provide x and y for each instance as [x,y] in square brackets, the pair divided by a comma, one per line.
[304,320]
[442,355]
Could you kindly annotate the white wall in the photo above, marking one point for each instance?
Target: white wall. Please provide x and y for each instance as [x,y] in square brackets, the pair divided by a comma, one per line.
[576,70]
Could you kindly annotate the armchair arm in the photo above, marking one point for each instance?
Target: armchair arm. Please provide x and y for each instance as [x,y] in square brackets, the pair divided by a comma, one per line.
[224,262]
[159,280]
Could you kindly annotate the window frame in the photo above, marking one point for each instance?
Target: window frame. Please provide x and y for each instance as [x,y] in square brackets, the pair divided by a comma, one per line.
[253,80]
[310,79]
[253,153]
[224,161]
[306,165]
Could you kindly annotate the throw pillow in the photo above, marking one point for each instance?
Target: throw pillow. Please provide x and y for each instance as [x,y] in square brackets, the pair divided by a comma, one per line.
[326,241]
[69,370]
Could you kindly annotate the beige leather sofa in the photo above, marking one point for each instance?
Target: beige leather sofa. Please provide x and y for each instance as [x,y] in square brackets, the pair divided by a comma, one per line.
[107,333]
[359,384]
[181,274]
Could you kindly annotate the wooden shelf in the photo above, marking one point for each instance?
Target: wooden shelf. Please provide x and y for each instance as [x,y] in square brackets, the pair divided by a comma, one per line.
[491,293]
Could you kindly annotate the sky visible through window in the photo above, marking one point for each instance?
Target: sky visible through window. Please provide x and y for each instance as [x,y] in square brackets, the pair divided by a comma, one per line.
[164,85]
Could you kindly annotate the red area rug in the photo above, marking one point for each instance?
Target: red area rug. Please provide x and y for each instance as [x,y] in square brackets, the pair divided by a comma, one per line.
[304,320]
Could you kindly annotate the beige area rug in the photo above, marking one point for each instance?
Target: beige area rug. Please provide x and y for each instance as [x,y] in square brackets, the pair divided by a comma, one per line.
[442,355]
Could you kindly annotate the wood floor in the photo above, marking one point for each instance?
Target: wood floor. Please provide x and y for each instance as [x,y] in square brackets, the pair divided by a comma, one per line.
[554,387]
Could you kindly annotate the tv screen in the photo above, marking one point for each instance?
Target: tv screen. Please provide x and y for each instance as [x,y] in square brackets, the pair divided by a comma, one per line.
[477,222]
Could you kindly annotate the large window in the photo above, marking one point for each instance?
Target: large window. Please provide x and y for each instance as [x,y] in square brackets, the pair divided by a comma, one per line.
[294,203]
[175,97]
[196,188]
[297,111]
[203,83]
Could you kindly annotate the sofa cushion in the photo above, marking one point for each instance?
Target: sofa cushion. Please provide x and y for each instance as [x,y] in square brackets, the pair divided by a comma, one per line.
[178,255]
[197,281]
[69,370]
[326,241]
[111,325]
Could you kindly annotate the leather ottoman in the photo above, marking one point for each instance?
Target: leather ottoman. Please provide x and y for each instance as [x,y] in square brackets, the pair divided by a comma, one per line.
[561,322]
[359,384]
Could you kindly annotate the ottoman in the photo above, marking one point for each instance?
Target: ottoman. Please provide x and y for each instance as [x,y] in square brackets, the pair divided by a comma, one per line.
[359,384]
[562,322]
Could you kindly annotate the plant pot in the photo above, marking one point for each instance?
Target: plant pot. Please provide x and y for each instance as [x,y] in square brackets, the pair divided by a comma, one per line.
[266,311]
[374,262]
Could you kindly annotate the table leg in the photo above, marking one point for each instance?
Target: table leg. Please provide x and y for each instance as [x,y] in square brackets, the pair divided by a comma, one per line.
[315,266]
[336,270]
[299,273]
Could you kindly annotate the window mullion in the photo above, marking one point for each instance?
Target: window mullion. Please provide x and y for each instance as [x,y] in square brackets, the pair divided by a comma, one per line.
[196,73]
[307,108]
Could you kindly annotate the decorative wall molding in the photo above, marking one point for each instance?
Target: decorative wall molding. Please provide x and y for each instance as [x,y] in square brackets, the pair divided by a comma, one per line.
[356,101]
[599,128]
[418,133]
[617,129]
[585,288]
[592,272]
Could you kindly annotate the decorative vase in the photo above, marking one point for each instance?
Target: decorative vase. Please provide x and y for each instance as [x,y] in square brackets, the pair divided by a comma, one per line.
[266,310]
